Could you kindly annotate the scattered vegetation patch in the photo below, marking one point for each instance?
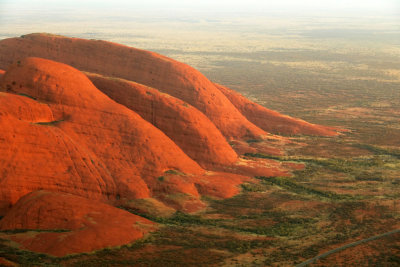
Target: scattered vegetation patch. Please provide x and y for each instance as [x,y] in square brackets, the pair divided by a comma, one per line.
[174,172]
[251,187]
[31,97]
[182,219]
[25,258]
[370,176]
[265,156]
[253,141]
[49,123]
[18,231]
[177,256]
[193,238]
[285,227]
[290,185]
[378,150]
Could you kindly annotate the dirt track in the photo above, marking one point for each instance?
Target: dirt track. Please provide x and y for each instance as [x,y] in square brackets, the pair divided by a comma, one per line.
[323,255]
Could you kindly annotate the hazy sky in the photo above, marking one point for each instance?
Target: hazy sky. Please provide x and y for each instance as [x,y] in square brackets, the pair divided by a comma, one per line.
[114,19]
[389,6]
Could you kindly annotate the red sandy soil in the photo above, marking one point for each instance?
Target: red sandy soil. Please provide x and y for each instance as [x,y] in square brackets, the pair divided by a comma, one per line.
[92,225]
[189,128]
[1,72]
[272,121]
[148,68]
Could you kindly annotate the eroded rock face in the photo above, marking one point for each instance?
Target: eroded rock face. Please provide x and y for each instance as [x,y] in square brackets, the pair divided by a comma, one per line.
[88,225]
[66,136]
[37,156]
[189,128]
[272,121]
[148,68]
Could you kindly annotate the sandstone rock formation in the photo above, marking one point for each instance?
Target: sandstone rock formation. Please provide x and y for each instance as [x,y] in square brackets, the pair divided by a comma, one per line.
[71,224]
[189,128]
[148,68]
[72,137]
[35,155]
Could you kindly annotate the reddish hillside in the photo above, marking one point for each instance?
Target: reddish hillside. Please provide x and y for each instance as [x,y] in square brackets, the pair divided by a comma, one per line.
[183,192]
[35,156]
[272,121]
[89,225]
[151,69]
[80,136]
[190,129]
[6,263]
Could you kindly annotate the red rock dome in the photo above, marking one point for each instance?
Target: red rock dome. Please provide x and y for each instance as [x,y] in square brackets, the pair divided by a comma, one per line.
[189,128]
[148,68]
[87,225]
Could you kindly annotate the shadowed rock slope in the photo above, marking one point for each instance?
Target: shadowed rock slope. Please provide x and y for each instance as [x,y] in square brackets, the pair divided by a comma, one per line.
[148,68]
